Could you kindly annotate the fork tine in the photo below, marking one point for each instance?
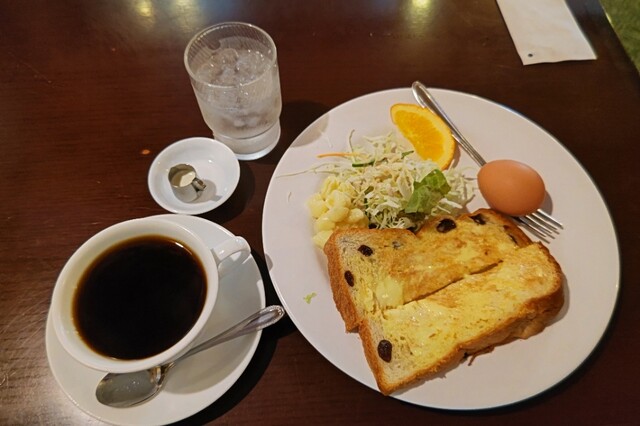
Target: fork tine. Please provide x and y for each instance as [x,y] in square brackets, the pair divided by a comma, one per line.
[536,226]
[548,218]
[544,236]
[549,226]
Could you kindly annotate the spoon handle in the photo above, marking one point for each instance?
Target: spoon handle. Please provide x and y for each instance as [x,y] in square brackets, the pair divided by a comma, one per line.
[261,319]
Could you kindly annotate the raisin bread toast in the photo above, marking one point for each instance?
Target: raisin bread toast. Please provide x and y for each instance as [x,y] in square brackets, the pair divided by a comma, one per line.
[372,270]
[514,299]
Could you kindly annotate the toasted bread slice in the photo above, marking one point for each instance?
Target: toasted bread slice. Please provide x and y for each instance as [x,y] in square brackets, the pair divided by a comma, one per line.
[514,299]
[372,270]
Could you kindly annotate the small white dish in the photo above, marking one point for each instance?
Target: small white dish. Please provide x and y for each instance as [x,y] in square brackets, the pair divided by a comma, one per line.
[196,382]
[214,163]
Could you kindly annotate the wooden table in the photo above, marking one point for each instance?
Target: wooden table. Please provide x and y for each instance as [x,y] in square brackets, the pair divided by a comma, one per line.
[91,91]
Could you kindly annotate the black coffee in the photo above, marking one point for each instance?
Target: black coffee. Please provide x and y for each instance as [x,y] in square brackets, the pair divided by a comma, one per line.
[139,297]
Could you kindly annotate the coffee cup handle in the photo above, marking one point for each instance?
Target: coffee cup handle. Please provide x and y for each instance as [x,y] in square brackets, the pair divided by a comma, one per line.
[224,250]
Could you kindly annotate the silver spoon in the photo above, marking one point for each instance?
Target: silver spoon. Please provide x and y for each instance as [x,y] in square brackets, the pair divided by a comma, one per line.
[129,389]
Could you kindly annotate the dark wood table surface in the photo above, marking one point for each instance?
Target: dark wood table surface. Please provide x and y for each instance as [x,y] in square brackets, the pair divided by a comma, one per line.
[91,91]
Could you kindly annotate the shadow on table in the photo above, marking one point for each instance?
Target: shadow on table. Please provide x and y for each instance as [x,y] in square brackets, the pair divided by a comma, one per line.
[259,363]
[295,118]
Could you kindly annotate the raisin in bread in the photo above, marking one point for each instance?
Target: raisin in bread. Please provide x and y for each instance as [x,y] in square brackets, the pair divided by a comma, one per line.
[514,299]
[371,270]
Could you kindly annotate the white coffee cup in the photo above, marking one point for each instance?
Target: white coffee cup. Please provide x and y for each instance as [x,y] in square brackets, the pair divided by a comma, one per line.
[215,263]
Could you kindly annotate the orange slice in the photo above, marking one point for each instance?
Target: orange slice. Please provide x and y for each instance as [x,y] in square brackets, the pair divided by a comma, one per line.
[429,135]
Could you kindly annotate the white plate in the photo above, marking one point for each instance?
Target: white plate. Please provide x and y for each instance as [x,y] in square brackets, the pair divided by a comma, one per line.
[195,382]
[587,251]
[214,163]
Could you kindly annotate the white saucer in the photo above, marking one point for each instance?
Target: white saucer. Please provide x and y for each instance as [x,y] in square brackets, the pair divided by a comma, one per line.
[197,381]
[214,163]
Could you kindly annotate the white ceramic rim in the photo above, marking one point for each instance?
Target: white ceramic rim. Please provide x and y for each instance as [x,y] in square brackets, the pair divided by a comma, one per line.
[513,372]
[213,161]
[197,382]
[62,300]
[272,45]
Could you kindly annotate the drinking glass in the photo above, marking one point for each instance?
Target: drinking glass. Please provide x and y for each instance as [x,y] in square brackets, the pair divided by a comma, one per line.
[234,73]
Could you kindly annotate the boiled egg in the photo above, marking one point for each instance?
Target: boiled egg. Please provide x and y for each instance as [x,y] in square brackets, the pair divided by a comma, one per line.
[511,187]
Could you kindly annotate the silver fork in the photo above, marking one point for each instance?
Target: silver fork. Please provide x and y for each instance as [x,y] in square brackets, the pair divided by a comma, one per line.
[539,222]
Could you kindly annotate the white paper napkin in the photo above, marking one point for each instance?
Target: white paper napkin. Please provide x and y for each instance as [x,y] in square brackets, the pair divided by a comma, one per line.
[544,31]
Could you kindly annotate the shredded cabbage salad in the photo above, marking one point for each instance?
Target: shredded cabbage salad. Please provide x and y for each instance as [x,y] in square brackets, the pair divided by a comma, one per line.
[393,186]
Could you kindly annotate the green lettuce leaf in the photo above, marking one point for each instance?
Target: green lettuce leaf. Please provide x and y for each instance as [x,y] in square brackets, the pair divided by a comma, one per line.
[428,192]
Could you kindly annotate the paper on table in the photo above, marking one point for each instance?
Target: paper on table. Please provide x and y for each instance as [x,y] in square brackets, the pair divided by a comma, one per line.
[544,31]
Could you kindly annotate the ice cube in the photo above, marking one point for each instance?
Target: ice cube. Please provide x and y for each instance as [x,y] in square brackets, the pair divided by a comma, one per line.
[250,65]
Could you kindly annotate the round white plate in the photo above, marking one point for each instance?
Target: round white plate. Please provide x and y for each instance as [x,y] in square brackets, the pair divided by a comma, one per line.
[195,382]
[587,250]
[214,163]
